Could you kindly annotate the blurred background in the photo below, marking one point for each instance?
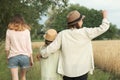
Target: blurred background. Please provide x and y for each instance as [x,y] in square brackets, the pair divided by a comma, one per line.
[42,15]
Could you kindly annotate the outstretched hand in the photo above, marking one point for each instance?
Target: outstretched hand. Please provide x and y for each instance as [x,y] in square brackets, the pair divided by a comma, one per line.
[38,57]
[104,13]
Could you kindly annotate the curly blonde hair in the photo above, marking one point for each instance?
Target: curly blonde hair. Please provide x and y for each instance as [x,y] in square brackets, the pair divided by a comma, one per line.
[18,23]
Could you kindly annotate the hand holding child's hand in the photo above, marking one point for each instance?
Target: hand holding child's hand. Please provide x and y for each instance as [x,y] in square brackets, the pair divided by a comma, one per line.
[38,57]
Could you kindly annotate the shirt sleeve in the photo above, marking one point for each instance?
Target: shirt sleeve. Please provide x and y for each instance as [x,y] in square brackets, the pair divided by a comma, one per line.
[54,46]
[94,32]
[28,42]
[7,41]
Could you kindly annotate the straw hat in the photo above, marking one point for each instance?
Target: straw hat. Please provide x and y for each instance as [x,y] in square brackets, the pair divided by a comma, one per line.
[50,34]
[74,17]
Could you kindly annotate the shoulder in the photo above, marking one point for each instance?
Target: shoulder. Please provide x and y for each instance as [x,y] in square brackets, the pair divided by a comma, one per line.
[64,31]
[86,29]
[9,31]
[26,30]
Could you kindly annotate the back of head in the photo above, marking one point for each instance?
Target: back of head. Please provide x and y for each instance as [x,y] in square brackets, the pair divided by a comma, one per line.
[50,36]
[17,18]
[73,18]
[17,23]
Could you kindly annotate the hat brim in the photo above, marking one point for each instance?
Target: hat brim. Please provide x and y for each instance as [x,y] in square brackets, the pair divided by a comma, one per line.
[45,37]
[77,20]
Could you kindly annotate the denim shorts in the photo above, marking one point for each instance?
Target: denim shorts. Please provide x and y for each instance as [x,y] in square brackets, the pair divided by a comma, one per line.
[21,61]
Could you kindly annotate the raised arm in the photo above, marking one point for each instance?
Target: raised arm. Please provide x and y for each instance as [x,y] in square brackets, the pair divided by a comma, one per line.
[96,31]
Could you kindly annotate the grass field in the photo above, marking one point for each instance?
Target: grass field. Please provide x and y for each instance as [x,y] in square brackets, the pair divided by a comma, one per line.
[103,51]
[107,55]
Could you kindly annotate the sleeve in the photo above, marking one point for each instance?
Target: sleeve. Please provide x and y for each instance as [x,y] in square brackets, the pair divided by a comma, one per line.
[54,46]
[7,41]
[28,43]
[94,32]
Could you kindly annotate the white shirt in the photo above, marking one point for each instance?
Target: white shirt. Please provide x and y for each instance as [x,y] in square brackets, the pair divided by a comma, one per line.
[76,58]
[18,42]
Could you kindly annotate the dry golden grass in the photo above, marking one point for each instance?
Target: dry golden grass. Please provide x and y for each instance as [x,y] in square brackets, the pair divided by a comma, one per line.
[36,45]
[107,55]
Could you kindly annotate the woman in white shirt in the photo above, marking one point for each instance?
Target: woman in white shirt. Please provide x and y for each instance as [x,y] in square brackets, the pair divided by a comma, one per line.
[76,58]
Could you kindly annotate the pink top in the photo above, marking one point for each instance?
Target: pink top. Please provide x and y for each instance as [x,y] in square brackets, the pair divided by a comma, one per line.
[18,42]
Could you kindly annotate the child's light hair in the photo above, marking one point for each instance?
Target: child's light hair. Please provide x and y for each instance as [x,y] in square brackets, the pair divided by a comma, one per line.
[18,23]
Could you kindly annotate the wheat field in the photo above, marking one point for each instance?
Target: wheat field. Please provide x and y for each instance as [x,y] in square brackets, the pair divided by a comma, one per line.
[106,54]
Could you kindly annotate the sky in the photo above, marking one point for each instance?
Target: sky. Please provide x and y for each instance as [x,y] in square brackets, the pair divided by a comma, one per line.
[112,7]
